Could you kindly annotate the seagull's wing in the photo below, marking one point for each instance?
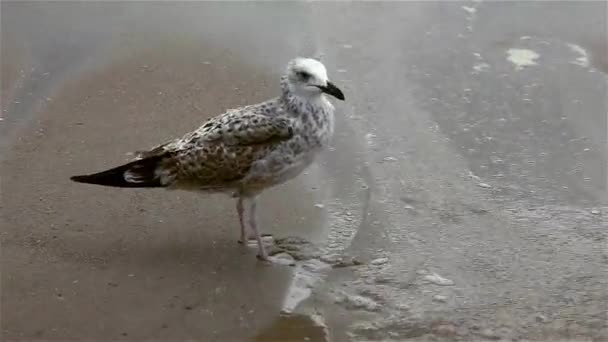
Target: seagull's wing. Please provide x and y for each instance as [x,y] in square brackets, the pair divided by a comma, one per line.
[243,126]
[223,149]
[246,127]
[168,146]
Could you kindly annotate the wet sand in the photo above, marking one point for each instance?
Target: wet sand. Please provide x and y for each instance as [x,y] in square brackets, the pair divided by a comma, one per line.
[85,262]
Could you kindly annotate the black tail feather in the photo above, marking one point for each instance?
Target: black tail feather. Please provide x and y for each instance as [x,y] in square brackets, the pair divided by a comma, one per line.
[141,174]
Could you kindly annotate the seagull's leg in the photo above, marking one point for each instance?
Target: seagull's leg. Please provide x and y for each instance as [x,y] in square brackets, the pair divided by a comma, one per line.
[240,210]
[262,255]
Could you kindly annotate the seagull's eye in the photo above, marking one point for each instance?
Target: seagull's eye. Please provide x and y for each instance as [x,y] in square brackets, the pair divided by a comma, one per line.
[303,75]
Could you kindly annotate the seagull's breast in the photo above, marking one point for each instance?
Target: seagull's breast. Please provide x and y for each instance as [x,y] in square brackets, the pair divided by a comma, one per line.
[313,131]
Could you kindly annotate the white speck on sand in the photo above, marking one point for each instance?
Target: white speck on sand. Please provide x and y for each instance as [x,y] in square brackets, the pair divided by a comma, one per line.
[370,138]
[484,185]
[479,67]
[473,176]
[470,10]
[438,280]
[379,261]
[440,298]
[360,302]
[583,58]
[522,57]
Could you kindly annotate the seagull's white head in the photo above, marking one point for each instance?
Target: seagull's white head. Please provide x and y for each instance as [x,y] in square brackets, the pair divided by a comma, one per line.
[308,77]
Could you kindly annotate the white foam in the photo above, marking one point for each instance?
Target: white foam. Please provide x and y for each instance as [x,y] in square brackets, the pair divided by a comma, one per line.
[306,275]
[470,10]
[479,67]
[439,280]
[522,57]
[583,59]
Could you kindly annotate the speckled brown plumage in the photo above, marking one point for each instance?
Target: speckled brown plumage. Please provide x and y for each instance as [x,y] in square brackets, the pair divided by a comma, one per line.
[242,151]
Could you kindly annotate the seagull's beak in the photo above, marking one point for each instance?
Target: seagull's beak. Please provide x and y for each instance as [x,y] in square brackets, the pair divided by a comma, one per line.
[332,90]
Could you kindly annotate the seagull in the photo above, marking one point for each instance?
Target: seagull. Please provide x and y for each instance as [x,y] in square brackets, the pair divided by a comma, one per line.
[243,151]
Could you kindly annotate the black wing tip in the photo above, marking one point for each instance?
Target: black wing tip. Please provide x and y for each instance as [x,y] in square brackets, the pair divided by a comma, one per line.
[79,179]
[144,168]
[91,179]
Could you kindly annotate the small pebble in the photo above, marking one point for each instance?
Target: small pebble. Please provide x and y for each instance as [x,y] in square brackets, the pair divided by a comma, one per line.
[359,302]
[283,259]
[379,261]
[346,263]
[384,279]
[440,298]
[438,280]
[319,205]
[445,330]
[595,212]
[484,185]
[403,307]
[473,176]
[488,333]
[331,258]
